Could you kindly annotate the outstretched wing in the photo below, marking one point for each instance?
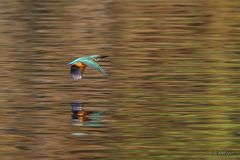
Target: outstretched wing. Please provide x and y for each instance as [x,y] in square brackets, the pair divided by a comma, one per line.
[93,65]
[75,61]
[76,72]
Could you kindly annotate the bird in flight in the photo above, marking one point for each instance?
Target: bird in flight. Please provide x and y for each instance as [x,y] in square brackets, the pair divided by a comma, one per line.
[78,65]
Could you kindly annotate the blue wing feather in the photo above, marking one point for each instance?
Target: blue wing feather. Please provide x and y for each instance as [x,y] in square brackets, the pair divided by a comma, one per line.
[89,62]
[76,60]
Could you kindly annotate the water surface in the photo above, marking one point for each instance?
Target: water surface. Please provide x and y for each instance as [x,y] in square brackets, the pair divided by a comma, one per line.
[173,92]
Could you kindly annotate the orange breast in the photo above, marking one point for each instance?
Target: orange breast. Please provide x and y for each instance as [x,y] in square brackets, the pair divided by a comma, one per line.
[79,64]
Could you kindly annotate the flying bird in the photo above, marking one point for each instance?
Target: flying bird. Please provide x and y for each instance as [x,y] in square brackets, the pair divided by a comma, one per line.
[78,65]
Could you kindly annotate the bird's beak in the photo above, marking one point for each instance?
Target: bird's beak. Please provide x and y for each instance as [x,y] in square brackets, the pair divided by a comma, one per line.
[103,56]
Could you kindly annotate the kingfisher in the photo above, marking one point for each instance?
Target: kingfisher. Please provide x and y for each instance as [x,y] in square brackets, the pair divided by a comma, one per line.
[78,65]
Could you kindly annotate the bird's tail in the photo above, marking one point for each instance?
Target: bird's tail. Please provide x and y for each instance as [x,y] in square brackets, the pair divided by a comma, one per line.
[76,73]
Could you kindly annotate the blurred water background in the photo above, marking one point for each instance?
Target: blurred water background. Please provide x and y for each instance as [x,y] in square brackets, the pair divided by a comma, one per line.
[173,92]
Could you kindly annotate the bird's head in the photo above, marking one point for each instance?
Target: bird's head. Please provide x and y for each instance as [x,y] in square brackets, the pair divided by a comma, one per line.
[97,57]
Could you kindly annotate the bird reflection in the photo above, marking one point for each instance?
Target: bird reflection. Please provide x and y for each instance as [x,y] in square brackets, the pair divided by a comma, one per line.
[83,117]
